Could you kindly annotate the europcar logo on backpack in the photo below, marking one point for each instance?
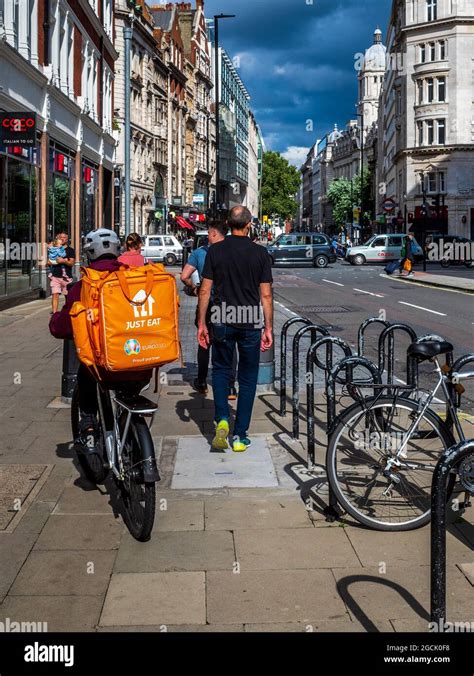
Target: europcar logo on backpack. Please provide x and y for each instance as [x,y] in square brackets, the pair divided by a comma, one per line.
[132,346]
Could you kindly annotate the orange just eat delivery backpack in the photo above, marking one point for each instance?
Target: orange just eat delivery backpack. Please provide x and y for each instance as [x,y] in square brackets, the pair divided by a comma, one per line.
[127,320]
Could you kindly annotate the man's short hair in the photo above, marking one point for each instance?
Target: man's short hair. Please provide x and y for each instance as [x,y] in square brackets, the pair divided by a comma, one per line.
[239,217]
[220,227]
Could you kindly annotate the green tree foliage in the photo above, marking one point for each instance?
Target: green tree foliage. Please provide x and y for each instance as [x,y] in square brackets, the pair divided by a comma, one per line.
[344,195]
[280,182]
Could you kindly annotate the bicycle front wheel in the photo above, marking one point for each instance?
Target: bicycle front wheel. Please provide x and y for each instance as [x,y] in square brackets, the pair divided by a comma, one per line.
[376,484]
[138,496]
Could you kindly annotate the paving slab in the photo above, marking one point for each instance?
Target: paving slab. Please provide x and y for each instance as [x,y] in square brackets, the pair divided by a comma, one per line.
[80,531]
[400,594]
[64,573]
[238,513]
[197,466]
[294,548]
[173,515]
[272,596]
[60,613]
[179,628]
[77,500]
[467,569]
[177,551]
[403,549]
[155,599]
[340,625]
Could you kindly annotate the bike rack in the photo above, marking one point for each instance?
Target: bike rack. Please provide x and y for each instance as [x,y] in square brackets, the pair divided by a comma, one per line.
[362,329]
[348,364]
[311,360]
[284,333]
[457,366]
[412,371]
[295,394]
[450,458]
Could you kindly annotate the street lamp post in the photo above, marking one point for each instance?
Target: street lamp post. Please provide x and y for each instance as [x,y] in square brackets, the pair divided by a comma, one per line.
[136,10]
[361,218]
[217,18]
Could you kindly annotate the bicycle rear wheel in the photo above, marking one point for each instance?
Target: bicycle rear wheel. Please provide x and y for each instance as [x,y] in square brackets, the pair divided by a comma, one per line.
[138,496]
[92,464]
[360,450]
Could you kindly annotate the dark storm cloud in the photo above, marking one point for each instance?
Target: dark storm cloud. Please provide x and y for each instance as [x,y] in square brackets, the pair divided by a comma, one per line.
[297,60]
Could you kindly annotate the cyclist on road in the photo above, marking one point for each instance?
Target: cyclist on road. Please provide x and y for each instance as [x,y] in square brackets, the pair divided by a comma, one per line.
[102,248]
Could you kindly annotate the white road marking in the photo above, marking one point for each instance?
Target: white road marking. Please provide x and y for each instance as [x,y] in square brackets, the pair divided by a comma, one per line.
[418,307]
[329,282]
[369,293]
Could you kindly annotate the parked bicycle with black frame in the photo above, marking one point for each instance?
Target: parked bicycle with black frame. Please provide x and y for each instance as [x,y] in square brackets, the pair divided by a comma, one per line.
[383,449]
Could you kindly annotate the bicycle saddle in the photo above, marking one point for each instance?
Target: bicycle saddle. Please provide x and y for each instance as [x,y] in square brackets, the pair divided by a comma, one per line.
[429,349]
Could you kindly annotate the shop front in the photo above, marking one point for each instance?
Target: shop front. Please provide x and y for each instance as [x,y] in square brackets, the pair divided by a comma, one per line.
[19,234]
[89,190]
[60,192]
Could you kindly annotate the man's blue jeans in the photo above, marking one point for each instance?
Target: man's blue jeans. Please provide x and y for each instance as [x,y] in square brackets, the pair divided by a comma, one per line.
[224,340]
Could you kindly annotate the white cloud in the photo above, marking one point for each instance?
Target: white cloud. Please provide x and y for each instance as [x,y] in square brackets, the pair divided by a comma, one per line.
[295,155]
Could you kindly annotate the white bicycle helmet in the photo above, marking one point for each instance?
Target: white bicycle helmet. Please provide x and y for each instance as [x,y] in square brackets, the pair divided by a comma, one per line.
[100,242]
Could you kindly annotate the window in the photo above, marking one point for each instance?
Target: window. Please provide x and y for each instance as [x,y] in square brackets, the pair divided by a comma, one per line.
[431,182]
[442,50]
[432,10]
[420,91]
[430,89]
[285,241]
[379,241]
[441,89]
[422,53]
[442,181]
[155,241]
[432,51]
[420,133]
[319,239]
[430,127]
[394,241]
[441,132]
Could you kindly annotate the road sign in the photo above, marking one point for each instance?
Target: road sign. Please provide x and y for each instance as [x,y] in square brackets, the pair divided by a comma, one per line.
[265,219]
[198,198]
[389,204]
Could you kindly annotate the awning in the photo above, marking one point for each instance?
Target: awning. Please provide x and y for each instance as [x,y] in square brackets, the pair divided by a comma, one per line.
[183,223]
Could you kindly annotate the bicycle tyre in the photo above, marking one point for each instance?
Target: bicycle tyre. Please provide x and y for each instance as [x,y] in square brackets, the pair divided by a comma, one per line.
[92,464]
[356,412]
[138,496]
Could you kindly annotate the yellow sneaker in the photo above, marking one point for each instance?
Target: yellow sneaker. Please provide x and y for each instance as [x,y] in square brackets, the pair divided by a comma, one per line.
[220,441]
[240,445]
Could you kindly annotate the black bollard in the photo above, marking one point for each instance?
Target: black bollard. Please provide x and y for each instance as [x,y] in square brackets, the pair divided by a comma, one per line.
[70,368]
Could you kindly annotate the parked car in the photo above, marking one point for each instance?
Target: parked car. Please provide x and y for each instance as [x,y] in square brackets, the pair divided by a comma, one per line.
[381,249]
[302,247]
[162,248]
[463,252]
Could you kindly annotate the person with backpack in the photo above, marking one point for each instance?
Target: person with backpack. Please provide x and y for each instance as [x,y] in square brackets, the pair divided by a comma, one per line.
[102,248]
[407,256]
[191,277]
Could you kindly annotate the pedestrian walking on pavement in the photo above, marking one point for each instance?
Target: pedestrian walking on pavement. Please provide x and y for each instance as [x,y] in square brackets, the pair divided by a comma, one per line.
[240,273]
[191,277]
[132,255]
[407,257]
[61,258]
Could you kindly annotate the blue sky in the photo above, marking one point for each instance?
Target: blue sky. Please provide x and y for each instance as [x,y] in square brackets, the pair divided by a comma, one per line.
[297,61]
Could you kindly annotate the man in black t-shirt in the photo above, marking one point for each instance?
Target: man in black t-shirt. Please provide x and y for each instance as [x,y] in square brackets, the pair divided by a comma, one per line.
[60,275]
[240,273]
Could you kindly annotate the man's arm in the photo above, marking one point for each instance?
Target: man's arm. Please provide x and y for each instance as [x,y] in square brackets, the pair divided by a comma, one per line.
[266,298]
[67,261]
[186,276]
[204,298]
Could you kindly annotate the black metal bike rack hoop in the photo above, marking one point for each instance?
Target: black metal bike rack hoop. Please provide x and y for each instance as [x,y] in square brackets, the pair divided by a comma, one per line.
[329,341]
[362,329]
[283,359]
[412,371]
[451,457]
[295,392]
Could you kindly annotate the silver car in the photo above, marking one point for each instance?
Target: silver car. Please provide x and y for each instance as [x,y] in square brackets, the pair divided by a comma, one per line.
[381,249]
[159,248]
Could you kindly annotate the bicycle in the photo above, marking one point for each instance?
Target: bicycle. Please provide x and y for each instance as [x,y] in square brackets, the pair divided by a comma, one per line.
[383,449]
[124,447]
